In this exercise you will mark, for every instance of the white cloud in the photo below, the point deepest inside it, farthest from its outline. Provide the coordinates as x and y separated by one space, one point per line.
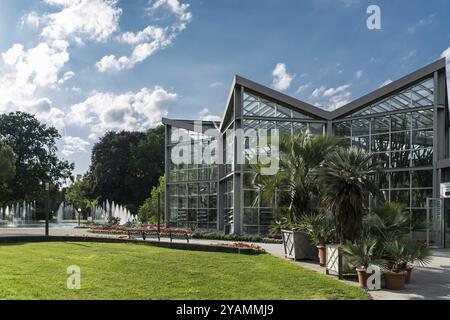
216 84
26 73
66 77
302 88
409 55
150 40
31 19
422 22
359 74
130 111
95 20
318 92
30 71
281 78
339 100
74 145
332 98
205 115
333 91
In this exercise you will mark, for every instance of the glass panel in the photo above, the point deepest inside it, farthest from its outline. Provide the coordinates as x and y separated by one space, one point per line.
266 108
400 122
299 126
383 180
419 197
400 159
283 112
383 159
422 157
251 216
361 142
360 127
250 198
401 196
342 129
380 142
298 115
422 179
400 180
380 125
284 127
400 141
316 129
422 119
422 139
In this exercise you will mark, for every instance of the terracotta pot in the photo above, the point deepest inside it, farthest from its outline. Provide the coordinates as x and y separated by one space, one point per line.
322 256
362 277
408 270
395 281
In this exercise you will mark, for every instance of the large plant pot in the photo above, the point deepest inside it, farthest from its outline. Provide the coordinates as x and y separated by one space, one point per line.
362 277
322 256
297 246
408 271
337 263
395 281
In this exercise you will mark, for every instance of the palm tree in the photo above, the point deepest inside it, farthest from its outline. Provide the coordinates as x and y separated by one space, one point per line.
346 179
389 221
300 157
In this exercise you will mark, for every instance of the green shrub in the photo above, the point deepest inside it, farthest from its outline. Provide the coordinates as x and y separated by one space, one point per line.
232 237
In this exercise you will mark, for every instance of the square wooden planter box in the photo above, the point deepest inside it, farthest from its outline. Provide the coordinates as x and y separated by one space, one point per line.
297 246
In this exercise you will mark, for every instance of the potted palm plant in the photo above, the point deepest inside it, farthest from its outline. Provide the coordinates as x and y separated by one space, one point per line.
396 255
301 155
361 254
346 179
416 253
320 231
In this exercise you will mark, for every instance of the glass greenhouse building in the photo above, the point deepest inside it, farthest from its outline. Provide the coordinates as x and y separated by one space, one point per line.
405 123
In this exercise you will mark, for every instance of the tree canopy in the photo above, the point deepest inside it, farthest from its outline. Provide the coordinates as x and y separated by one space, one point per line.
7 162
34 145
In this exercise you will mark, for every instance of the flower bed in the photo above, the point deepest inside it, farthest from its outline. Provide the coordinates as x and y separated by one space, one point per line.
240 245
148 230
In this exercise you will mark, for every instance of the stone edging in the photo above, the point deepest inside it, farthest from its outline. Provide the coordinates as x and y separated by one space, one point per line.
162 244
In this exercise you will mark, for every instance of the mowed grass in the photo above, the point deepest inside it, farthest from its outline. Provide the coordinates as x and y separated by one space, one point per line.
131 271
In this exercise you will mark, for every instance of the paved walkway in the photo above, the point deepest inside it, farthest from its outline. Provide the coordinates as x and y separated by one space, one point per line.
429 283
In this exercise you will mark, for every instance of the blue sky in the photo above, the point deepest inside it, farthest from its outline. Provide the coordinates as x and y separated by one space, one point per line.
88 66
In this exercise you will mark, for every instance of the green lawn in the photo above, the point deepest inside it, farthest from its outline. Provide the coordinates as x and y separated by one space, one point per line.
130 271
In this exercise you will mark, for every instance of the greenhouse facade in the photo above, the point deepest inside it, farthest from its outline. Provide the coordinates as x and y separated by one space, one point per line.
405 123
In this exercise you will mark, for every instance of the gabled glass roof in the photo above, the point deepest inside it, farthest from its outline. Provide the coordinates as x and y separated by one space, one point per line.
420 95
257 106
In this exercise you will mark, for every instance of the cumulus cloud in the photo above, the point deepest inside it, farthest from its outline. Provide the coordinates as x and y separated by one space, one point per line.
74 145
66 77
281 78
95 20
30 71
302 88
206 115
32 20
26 72
106 111
333 91
150 40
332 98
